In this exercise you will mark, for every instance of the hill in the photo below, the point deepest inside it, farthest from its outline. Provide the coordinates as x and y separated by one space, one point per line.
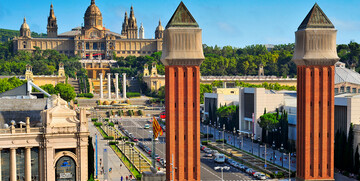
6 34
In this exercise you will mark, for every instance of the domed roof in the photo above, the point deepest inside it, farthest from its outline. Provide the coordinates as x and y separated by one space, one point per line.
92 10
159 27
24 25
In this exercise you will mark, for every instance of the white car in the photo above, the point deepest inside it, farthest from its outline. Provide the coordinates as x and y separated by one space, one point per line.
261 176
219 158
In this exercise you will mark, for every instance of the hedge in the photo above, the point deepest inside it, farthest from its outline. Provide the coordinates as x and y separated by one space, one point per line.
113 142
94 119
111 124
108 137
97 124
205 142
132 94
220 140
88 95
140 113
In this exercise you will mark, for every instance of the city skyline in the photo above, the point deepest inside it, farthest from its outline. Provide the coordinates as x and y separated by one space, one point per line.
226 26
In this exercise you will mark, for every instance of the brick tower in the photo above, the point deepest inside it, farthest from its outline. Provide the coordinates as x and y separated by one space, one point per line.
182 56
315 56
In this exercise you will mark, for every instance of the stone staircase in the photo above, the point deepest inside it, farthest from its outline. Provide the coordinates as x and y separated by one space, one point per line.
96 86
74 83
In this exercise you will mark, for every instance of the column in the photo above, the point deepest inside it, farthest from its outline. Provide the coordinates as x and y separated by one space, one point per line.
101 86
28 164
109 85
117 85
12 164
124 85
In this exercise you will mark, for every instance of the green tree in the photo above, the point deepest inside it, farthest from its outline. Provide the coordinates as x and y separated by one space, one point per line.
90 157
66 91
357 161
49 88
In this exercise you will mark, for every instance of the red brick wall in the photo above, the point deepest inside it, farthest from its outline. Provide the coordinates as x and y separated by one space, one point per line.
315 122
182 99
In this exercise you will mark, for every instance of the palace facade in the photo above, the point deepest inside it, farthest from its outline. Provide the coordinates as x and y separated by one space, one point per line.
93 40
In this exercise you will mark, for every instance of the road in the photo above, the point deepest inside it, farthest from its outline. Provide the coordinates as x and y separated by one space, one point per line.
136 127
251 147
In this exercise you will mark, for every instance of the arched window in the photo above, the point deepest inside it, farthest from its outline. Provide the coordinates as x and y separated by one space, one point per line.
65 169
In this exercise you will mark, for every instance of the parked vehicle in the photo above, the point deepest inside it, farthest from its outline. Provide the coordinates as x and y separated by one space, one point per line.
147 126
256 174
219 158
261 176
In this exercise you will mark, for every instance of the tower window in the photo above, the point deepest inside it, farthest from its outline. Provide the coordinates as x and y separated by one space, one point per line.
193 74
184 74
175 105
175 74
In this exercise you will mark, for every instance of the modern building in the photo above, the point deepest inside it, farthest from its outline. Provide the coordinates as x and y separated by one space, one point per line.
220 97
93 40
346 80
315 56
182 56
45 141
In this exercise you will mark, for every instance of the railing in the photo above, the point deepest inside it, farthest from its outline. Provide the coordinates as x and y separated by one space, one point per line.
21 130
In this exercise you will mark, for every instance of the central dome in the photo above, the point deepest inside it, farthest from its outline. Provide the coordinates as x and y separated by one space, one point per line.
93 17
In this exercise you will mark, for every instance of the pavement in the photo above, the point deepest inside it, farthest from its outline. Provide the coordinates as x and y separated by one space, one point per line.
113 160
208 173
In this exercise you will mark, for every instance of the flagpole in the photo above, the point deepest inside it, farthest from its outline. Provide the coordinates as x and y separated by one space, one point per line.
153 151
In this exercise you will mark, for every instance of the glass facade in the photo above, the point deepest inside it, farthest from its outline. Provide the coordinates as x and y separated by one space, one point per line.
5 164
20 164
34 164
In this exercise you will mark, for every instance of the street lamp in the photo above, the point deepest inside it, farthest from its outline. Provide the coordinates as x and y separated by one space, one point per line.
234 136
223 136
259 146
273 147
252 141
282 157
222 168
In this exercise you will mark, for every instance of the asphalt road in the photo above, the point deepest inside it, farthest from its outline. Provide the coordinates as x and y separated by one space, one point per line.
136 127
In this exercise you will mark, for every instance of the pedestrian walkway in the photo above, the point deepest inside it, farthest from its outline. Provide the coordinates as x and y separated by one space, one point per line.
113 160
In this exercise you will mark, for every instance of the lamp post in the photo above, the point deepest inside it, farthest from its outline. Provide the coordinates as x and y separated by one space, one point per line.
223 136
289 166
252 141
282 157
259 146
273 147
222 168
234 136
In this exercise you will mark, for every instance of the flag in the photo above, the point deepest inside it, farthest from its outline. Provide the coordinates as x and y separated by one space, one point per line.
156 128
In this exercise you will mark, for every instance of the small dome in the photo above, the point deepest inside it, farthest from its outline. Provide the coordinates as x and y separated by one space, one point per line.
159 27
24 25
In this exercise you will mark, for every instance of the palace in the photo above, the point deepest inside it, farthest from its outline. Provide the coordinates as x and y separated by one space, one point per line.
93 40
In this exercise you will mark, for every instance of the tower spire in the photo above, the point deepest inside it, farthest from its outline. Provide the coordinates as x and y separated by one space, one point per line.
92 1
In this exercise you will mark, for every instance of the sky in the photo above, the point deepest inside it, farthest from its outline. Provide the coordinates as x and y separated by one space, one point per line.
237 23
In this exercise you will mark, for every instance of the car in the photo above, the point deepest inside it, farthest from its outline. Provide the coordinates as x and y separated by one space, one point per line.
256 174
207 150
249 170
147 126
208 155
261 176
158 159
219 158
243 168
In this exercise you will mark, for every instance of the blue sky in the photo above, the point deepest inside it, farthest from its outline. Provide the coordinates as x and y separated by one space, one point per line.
224 22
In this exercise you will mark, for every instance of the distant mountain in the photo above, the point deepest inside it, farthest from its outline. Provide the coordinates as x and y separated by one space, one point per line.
6 34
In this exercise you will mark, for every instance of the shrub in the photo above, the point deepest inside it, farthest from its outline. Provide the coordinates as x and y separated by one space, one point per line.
210 135
130 112
220 140
94 119
97 124
140 113
132 94
88 95
106 119
205 142
108 138
113 142
111 124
